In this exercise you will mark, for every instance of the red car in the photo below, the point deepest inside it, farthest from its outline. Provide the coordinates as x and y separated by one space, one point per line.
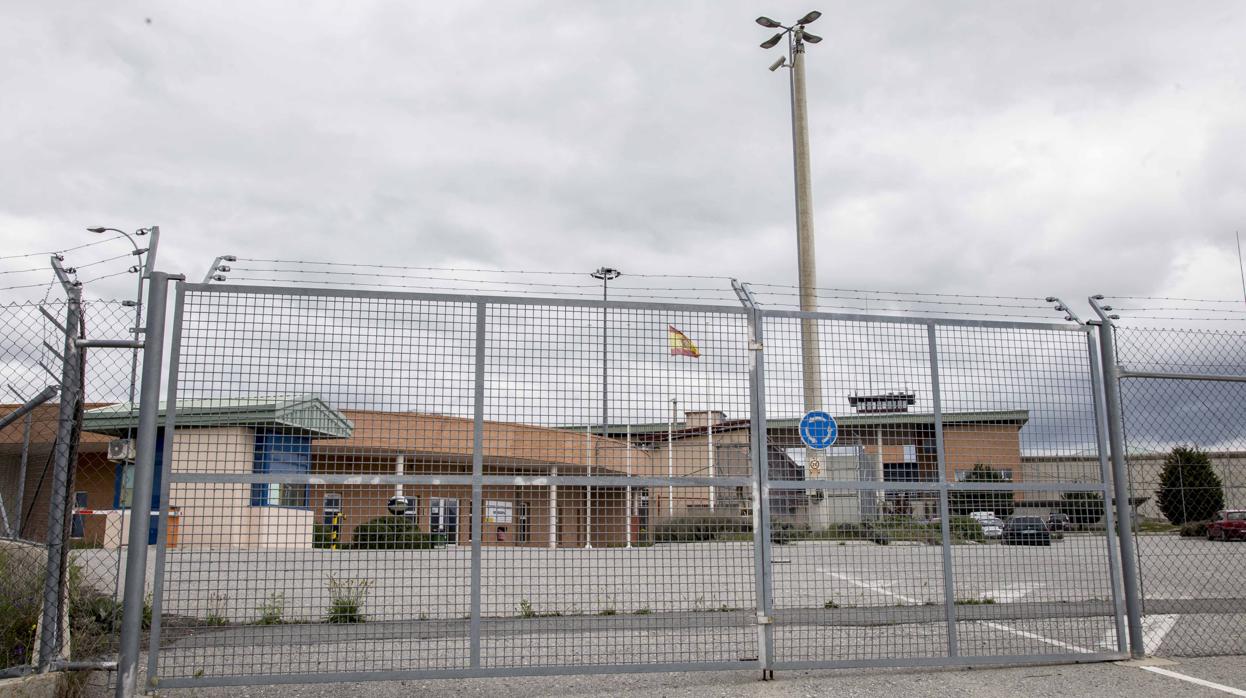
1229 524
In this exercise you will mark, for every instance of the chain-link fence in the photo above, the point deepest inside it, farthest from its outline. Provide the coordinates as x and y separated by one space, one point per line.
374 484
47 465
1183 400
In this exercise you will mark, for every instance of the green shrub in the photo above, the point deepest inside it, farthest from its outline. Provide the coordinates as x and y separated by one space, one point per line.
323 536
1194 529
965 528
965 502
1082 508
701 527
1189 489
21 585
392 533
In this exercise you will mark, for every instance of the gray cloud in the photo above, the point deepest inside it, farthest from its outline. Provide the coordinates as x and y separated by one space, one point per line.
977 147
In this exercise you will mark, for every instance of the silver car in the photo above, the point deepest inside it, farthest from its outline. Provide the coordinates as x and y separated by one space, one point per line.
992 528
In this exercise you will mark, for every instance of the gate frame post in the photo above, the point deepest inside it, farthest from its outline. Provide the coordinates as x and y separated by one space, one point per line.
760 457
170 423
945 507
1124 513
50 637
478 455
140 498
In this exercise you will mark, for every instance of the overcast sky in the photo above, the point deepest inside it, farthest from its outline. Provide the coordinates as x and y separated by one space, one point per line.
1020 148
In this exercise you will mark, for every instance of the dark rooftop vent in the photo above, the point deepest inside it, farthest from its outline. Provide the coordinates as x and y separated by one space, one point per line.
881 404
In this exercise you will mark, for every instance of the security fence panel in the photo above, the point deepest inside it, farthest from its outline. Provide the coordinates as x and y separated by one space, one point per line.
904 538
1035 576
617 492
316 494
1183 399
31 362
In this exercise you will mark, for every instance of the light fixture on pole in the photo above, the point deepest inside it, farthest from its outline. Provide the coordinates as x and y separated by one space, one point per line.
797 37
141 269
606 275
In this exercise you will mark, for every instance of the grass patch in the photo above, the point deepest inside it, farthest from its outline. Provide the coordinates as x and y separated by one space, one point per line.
273 610
346 599
641 612
830 603
977 601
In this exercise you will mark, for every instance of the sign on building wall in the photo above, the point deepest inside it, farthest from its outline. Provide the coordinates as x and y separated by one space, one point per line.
497 512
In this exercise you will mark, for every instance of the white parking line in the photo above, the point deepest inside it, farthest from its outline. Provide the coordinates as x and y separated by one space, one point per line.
1190 679
1154 628
1040 638
877 588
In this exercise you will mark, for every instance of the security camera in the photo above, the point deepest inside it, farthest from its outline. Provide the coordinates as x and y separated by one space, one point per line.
778 64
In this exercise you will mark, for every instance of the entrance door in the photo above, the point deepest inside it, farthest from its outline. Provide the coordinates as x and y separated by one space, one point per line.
523 528
444 518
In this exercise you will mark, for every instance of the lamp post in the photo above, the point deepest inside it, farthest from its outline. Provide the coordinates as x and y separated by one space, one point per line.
797 37
606 275
141 269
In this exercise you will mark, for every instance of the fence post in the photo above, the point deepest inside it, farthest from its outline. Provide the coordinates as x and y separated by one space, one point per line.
140 498
1124 513
760 457
50 639
1109 517
945 507
478 451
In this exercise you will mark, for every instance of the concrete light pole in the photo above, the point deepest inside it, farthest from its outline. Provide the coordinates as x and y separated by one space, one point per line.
606 274
811 358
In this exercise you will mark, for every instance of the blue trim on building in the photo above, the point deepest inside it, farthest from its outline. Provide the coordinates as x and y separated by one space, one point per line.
277 452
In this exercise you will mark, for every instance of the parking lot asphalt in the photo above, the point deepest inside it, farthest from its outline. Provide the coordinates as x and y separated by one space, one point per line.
1138 680
688 603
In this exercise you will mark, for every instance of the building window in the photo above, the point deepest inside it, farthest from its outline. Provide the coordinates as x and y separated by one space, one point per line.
285 454
963 475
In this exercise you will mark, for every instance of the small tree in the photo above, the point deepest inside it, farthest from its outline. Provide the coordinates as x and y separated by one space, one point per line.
1189 489
964 502
1082 508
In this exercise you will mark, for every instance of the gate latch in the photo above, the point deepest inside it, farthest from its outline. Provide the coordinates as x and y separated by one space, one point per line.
754 345
763 619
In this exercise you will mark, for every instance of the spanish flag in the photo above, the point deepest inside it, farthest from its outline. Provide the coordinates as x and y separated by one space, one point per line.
680 344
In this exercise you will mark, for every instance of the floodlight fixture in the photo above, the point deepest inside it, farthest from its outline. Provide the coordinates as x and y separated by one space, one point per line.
811 38
809 18
770 43
768 23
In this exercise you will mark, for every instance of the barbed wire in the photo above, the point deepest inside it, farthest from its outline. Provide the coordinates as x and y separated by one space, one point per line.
462 269
505 282
61 251
796 289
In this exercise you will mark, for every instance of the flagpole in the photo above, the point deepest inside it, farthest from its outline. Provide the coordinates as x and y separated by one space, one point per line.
628 456
670 459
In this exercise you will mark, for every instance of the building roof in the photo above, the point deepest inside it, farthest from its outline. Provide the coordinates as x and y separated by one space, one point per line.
993 417
298 414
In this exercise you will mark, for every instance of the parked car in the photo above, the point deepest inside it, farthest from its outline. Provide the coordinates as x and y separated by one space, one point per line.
992 528
1059 523
1229 524
1026 530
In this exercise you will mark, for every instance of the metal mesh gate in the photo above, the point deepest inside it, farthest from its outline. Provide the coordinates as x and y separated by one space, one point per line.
382 485
1183 393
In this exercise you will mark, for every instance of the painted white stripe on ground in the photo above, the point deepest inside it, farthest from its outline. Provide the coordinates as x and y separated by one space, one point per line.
1010 593
1034 636
876 588
1190 679
1154 628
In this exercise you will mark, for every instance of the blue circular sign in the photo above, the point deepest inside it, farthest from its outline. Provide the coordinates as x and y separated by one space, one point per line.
818 429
